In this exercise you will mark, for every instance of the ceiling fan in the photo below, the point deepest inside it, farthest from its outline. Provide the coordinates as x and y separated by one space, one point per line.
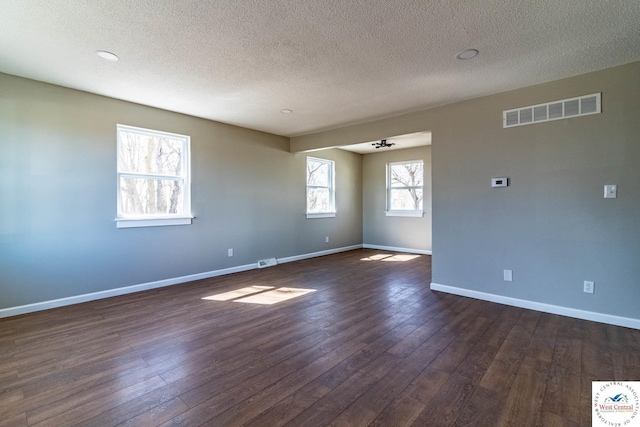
383 144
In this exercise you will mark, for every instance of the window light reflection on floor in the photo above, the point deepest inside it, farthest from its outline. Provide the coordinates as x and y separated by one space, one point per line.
265 295
238 293
275 296
390 257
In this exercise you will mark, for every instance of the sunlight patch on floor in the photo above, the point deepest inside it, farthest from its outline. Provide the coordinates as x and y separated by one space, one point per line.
238 293
275 296
390 257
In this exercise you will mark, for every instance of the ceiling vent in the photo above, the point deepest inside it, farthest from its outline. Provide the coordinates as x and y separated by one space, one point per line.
556 110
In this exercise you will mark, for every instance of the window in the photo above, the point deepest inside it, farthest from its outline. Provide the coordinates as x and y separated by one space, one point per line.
320 188
405 188
153 178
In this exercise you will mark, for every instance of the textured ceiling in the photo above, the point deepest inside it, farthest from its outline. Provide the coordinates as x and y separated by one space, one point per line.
333 62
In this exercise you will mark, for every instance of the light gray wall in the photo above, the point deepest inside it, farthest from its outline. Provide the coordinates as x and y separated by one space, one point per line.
58 197
551 226
340 230
382 230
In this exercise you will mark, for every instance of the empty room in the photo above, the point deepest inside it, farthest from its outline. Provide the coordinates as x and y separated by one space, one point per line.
363 213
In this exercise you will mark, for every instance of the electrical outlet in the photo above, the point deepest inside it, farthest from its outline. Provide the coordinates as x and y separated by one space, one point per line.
589 286
230 252
508 275
326 239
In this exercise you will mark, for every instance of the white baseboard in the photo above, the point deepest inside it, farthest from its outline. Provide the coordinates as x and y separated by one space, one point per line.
45 305
395 249
316 254
539 306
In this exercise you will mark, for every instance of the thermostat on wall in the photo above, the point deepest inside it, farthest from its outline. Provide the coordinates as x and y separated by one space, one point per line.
499 182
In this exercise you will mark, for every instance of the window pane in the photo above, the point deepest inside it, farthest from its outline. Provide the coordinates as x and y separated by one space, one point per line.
151 196
407 175
318 200
148 154
406 199
317 173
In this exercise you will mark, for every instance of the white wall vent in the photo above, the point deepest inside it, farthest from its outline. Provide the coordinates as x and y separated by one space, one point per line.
556 110
267 262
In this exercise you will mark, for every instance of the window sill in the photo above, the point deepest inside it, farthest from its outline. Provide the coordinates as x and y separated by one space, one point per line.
151 222
321 215
415 214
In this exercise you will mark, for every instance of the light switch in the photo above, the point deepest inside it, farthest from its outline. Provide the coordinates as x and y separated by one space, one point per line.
610 191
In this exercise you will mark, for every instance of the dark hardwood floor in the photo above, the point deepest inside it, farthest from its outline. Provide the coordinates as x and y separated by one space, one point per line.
372 346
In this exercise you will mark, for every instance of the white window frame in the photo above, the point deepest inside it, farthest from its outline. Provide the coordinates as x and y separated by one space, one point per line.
155 220
403 212
331 213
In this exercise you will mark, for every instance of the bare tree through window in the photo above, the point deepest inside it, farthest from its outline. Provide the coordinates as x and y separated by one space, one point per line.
405 185
151 173
319 185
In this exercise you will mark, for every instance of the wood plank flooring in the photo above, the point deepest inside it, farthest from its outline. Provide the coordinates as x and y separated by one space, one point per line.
372 346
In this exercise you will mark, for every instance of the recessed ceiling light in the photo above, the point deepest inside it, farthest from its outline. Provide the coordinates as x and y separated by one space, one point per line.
286 111
467 54
107 55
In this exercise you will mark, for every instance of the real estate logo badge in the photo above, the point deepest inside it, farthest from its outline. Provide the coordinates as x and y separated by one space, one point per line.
615 403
